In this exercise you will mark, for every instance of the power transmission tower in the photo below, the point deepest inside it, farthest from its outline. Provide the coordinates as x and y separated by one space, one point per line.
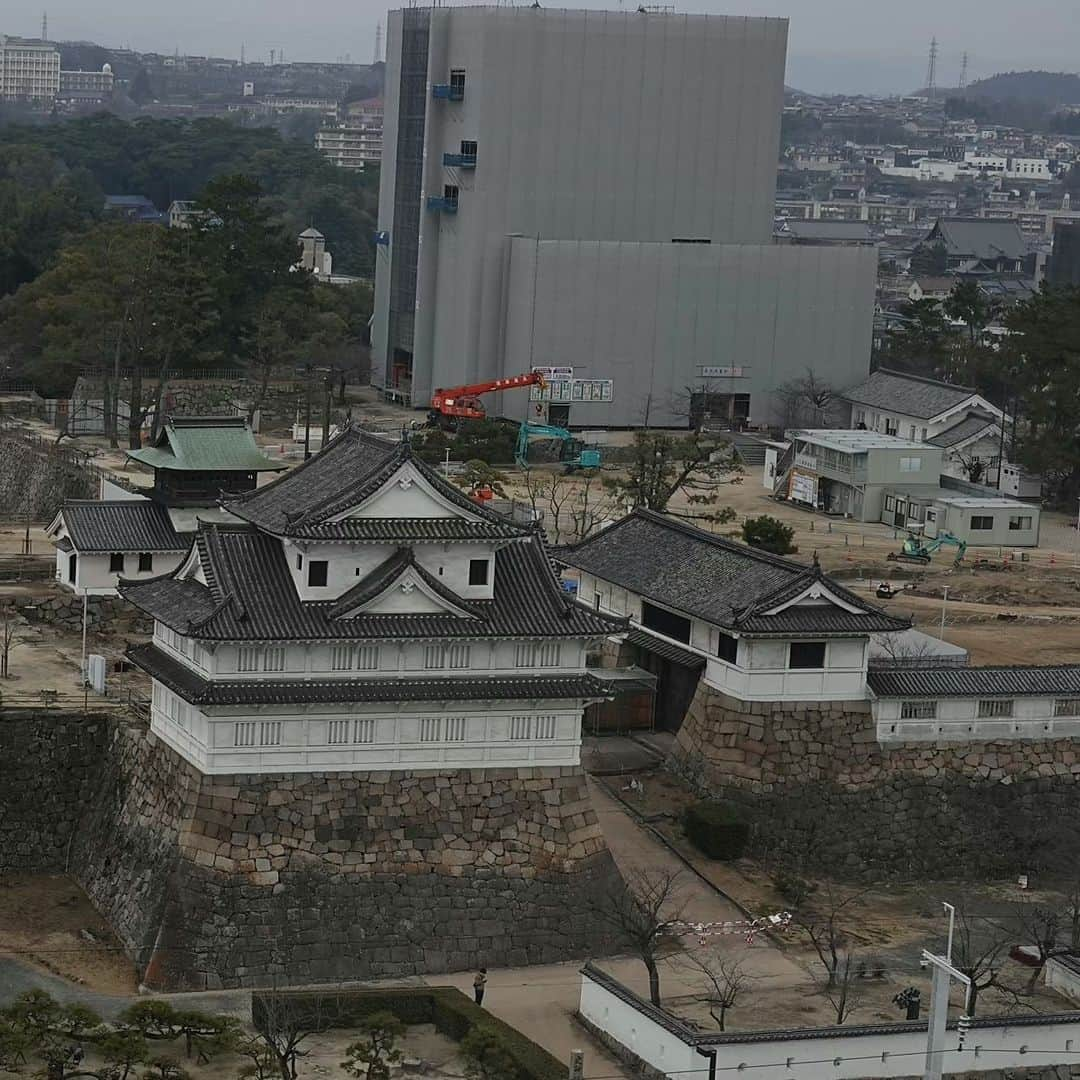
963 71
931 70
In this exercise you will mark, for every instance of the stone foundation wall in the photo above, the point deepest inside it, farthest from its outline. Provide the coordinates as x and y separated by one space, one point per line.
49 766
65 610
241 880
824 794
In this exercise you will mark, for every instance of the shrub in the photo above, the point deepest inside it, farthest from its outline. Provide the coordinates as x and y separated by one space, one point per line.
716 829
769 534
452 1013
792 888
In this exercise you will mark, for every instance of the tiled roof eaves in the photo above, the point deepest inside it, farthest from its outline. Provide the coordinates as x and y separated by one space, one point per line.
998 681
123 525
199 691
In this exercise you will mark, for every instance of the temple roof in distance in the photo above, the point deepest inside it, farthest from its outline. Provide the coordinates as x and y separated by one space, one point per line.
205 444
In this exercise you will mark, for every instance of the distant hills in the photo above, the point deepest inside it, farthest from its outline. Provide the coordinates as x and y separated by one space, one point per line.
1046 88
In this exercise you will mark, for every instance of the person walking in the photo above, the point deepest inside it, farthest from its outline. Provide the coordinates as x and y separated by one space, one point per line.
478 985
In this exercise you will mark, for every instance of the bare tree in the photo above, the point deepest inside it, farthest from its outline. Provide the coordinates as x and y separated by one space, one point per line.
10 625
726 979
640 912
980 948
842 987
809 401
823 921
1041 927
973 465
1072 912
286 1021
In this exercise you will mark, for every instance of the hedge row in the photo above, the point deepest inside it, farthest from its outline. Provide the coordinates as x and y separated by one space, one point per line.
716 829
452 1013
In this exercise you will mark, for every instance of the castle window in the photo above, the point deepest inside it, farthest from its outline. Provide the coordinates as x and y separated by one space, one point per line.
520 728
1067 707
806 654
430 729
274 659
455 728
367 658
434 656
478 571
727 647
665 622
545 727
338 732
269 732
995 708
116 562
244 733
459 656
146 562
918 710
341 657
247 660
317 573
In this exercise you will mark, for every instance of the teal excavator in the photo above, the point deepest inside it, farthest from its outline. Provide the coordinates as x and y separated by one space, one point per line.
572 455
919 550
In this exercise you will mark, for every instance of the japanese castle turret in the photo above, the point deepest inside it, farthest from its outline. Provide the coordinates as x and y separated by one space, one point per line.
368 690
137 533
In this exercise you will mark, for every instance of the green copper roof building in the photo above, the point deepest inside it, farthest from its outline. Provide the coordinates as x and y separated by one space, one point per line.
197 458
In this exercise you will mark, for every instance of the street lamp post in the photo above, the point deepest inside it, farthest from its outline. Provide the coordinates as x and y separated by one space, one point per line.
944 973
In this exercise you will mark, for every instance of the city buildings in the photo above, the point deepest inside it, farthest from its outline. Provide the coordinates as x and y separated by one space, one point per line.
355 139
29 71
530 216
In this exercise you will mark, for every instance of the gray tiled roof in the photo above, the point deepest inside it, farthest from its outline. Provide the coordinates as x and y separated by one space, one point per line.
250 596
963 430
1003 681
199 691
730 584
643 639
351 468
858 231
981 238
406 530
120 525
911 395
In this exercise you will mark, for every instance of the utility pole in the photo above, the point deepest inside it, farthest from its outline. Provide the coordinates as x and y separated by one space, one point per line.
307 414
328 394
944 601
944 972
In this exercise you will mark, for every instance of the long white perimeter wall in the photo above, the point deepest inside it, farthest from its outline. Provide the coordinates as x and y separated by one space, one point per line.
844 1053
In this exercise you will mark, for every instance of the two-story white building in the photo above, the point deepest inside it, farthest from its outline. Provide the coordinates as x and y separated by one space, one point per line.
366 615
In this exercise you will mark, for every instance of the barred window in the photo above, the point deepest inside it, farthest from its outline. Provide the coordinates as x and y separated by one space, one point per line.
244 733
430 728
547 654
455 728
364 729
546 726
367 658
918 710
274 659
1067 707
338 732
434 656
993 708
269 732
520 727
248 660
459 656
341 657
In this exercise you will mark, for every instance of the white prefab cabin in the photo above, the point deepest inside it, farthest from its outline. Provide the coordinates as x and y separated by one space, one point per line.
364 614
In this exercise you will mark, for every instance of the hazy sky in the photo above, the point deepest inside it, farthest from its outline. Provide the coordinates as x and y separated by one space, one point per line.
834 45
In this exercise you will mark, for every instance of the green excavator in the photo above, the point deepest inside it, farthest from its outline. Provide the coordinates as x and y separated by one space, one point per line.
918 549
